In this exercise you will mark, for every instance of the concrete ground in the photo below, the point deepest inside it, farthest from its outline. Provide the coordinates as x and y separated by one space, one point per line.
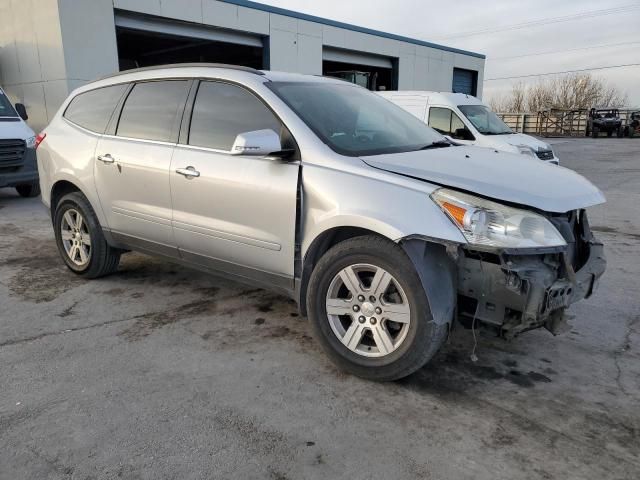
162 372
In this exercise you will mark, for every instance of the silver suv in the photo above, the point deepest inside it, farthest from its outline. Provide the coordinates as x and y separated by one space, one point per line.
381 230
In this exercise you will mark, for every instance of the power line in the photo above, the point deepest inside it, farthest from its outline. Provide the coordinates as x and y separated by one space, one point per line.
564 50
545 21
566 71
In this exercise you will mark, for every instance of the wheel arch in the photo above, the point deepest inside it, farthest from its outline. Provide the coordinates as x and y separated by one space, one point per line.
317 248
58 190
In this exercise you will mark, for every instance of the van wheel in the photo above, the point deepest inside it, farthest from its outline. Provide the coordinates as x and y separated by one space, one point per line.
28 189
80 240
369 310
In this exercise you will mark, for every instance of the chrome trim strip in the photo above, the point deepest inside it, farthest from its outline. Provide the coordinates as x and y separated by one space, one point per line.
141 216
222 235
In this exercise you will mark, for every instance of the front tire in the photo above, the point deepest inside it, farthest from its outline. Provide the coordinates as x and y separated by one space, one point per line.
369 310
80 240
28 190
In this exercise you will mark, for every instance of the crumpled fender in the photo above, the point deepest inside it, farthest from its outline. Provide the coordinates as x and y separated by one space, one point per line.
438 274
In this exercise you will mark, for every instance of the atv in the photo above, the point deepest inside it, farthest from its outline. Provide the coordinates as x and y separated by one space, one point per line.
633 125
604 120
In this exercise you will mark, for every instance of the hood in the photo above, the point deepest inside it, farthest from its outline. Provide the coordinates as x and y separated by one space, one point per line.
11 127
503 176
516 139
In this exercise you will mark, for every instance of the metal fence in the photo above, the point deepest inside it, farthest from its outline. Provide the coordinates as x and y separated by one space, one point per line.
555 122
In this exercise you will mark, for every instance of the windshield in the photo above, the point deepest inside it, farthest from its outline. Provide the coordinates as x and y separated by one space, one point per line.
6 109
485 120
353 121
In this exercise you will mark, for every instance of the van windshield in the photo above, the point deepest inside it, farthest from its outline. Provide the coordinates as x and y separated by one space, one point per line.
6 109
485 120
353 121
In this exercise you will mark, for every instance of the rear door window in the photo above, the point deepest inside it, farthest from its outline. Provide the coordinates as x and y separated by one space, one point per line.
92 110
223 111
152 109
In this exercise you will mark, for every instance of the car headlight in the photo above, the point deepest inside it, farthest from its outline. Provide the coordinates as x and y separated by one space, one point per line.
491 224
524 149
31 142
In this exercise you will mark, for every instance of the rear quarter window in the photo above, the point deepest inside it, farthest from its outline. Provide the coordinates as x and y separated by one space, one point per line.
92 110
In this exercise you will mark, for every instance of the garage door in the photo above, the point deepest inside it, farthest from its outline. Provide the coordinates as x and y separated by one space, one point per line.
464 81
146 41
356 58
375 72
172 27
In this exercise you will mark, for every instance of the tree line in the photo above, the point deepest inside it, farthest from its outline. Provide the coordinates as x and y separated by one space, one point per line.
572 91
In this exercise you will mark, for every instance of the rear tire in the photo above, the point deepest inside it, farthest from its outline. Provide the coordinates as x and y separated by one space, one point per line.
29 190
80 240
620 132
610 133
401 339
594 132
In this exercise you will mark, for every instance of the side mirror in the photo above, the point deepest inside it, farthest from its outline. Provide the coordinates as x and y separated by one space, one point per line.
463 134
22 111
257 143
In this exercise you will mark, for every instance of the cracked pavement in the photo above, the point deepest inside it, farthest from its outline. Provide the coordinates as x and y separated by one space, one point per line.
163 372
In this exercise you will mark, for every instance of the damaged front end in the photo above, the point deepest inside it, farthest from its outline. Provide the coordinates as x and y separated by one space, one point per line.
512 290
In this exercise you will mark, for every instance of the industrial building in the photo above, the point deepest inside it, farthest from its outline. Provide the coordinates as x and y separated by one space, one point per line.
50 47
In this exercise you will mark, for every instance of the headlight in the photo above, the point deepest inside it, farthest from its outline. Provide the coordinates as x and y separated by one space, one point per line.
526 150
31 142
490 224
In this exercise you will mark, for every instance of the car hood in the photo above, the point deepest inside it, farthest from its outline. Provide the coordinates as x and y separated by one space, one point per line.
14 128
504 176
517 139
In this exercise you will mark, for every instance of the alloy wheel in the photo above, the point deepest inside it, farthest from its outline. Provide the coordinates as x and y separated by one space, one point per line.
76 238
368 310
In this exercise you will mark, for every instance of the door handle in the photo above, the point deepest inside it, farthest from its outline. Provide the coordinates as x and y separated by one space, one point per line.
106 158
188 172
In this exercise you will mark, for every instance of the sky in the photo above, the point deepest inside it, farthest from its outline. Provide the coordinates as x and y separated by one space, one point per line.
449 23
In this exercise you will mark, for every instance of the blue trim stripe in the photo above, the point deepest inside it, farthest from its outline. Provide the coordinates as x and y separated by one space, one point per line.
347 26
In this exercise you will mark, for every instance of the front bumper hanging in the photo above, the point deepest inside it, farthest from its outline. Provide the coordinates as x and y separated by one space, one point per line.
518 292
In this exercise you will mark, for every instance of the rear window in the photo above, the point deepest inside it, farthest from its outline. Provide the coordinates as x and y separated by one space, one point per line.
92 110
151 110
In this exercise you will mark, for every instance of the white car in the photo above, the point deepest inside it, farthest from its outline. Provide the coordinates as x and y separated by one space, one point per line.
18 166
466 120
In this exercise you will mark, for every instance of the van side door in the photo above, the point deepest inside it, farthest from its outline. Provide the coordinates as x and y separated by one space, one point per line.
234 213
132 165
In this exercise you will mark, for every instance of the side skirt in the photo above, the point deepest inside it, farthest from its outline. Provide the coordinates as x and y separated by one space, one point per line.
270 281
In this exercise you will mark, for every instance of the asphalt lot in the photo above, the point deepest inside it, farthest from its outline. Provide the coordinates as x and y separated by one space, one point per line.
162 372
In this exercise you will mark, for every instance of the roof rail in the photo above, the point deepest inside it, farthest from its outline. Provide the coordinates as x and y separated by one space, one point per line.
185 65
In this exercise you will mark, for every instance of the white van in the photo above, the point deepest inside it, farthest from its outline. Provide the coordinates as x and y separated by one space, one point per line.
465 119
18 167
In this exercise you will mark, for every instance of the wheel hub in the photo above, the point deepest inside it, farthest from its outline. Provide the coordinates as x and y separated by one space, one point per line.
368 310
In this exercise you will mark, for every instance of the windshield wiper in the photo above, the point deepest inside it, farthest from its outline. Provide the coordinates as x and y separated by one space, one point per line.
437 144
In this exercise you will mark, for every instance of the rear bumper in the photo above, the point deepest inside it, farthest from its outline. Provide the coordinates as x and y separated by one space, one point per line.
516 293
26 173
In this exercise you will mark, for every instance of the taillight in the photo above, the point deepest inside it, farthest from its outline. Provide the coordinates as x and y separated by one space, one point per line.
39 138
